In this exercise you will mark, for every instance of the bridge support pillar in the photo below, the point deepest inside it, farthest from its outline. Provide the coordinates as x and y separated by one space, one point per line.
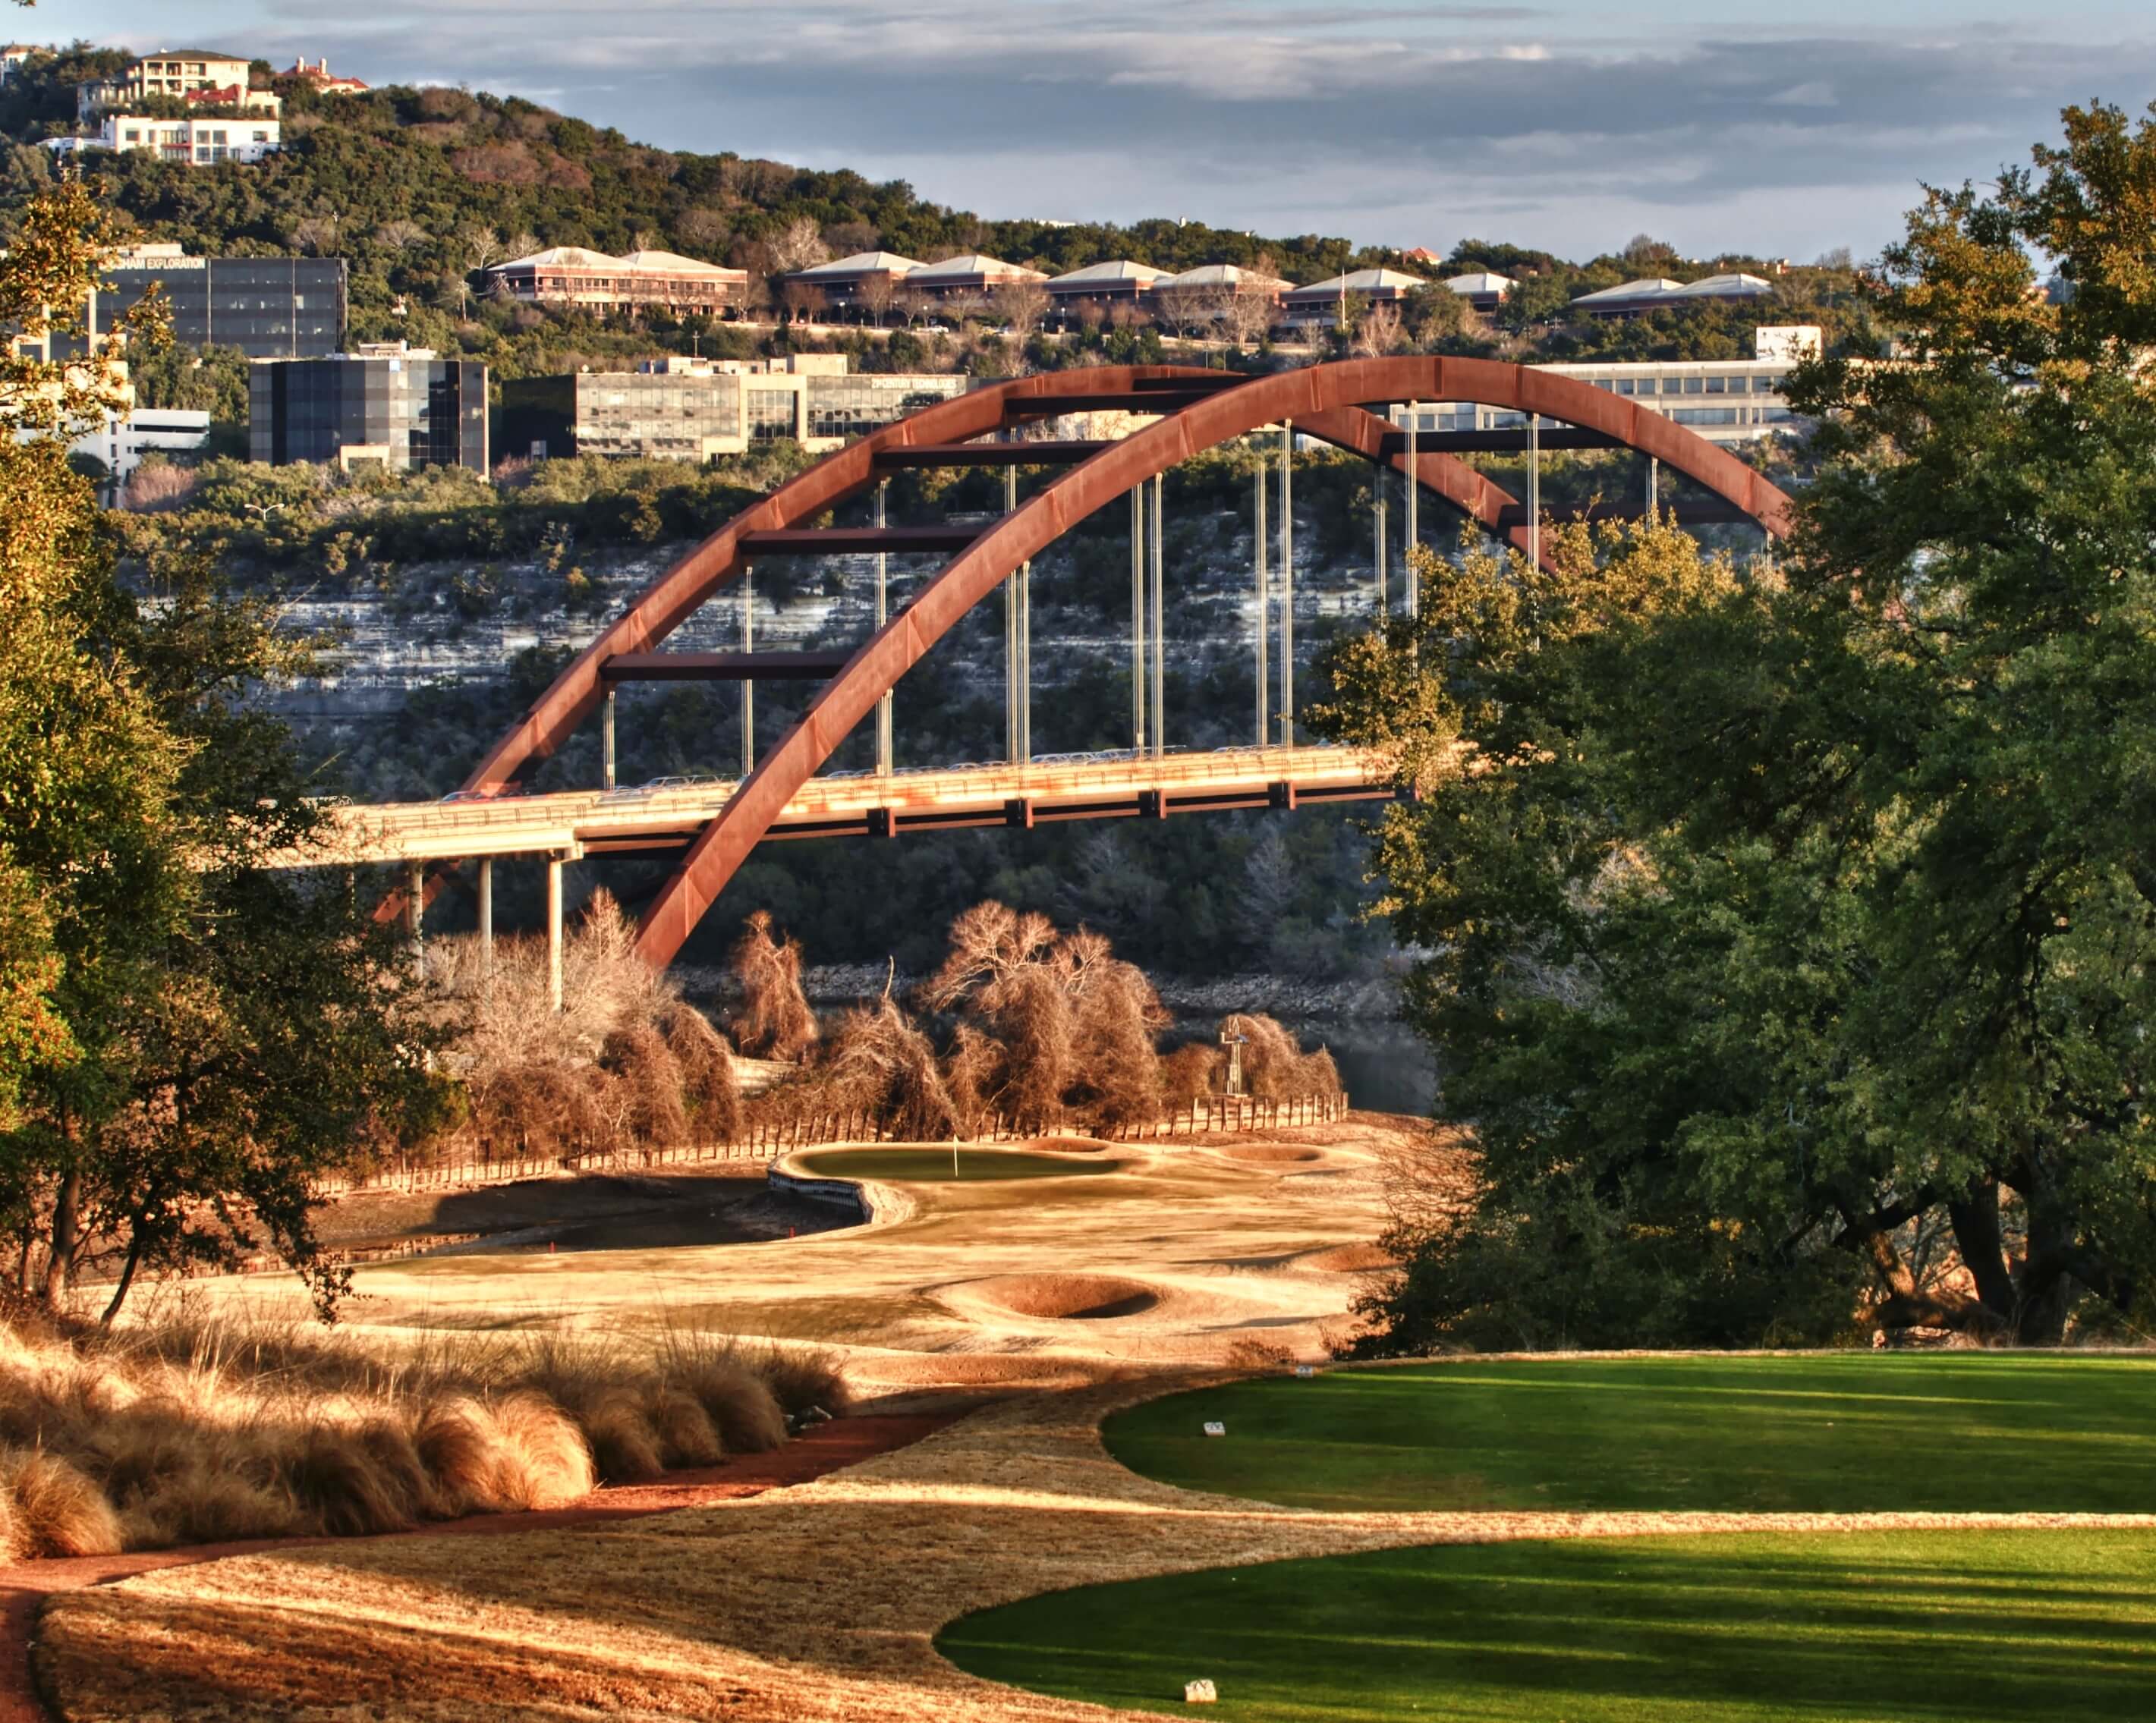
1287 585
748 686
1654 485
486 915
1411 581
606 742
415 902
1259 533
882 614
1158 699
1534 490
1377 524
554 931
1137 619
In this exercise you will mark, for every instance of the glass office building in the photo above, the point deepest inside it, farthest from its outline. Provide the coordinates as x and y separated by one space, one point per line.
268 307
391 407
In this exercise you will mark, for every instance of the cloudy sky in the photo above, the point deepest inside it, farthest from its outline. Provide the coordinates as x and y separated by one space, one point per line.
1573 124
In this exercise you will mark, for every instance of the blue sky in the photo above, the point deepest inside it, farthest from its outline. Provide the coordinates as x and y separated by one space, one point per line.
1565 123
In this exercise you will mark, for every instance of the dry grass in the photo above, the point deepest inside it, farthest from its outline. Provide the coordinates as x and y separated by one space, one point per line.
818 1602
204 1428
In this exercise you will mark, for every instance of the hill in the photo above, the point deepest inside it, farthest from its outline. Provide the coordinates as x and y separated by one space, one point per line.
420 188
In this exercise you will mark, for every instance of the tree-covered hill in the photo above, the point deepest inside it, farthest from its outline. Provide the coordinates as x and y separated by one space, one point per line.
420 188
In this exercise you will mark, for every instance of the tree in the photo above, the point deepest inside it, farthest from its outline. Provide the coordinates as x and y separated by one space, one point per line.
799 245
186 1038
803 301
1022 305
1787 918
876 294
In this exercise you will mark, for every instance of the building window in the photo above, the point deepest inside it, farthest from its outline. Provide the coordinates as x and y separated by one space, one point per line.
770 415
1718 386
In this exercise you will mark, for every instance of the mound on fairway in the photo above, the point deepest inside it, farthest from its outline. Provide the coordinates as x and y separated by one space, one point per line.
2008 1627
1958 1432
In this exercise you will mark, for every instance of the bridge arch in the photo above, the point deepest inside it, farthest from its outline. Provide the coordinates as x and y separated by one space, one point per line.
1327 396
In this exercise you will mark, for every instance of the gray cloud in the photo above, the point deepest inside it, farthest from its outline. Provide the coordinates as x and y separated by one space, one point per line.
1396 124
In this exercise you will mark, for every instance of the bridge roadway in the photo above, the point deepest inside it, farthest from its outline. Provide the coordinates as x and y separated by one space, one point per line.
565 825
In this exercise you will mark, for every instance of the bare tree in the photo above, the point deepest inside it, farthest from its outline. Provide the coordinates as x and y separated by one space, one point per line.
774 1021
401 235
521 243
1250 317
479 245
317 235
912 304
1378 332
876 294
1022 305
800 246
705 228
1179 307
803 301
966 306
1091 314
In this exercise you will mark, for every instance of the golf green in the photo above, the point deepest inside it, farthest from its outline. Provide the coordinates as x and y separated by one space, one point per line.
1975 1627
1966 1432
939 1167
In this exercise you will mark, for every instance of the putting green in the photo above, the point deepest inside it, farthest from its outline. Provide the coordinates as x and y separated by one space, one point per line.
935 1165
1996 1626
1956 1433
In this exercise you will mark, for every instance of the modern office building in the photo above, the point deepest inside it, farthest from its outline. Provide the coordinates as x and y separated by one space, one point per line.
387 406
268 307
1482 289
693 409
1223 279
1105 283
1636 299
973 275
575 275
840 280
119 443
1723 400
1321 302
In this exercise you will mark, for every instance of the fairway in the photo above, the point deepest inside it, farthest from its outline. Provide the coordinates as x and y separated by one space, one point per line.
1960 1432
1977 1627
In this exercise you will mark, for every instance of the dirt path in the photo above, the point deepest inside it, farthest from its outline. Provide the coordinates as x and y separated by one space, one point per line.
811 1605
25 1587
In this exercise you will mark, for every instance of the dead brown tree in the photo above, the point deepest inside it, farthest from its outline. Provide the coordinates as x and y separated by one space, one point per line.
773 1020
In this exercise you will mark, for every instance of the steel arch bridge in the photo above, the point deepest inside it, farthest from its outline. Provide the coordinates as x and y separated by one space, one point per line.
1194 410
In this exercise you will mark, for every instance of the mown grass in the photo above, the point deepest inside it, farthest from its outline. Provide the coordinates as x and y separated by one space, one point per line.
1836 1433
931 1166
1997 1626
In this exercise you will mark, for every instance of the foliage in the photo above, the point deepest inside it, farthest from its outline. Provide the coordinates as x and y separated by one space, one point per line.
189 1036
1784 920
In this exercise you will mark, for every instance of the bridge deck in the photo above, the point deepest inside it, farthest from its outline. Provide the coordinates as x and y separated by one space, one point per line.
1092 786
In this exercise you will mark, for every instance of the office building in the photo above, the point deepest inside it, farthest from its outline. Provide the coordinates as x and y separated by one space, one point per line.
387 407
1321 302
1636 299
972 275
574 275
1723 400
841 280
680 408
1482 289
268 307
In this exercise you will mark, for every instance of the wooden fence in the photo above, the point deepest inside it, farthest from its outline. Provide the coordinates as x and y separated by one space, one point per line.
765 1141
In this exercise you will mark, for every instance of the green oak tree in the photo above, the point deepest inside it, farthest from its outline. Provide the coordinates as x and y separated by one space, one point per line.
1792 926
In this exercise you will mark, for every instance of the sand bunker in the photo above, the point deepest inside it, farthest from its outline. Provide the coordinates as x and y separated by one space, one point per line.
1348 1259
1270 1154
1066 1298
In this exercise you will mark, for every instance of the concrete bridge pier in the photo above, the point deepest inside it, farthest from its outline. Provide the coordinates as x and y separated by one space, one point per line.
486 915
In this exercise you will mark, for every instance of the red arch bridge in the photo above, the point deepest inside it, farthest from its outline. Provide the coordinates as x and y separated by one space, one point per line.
1179 412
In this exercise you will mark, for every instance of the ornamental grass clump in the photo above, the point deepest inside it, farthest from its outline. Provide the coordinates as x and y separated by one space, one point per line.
200 1429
